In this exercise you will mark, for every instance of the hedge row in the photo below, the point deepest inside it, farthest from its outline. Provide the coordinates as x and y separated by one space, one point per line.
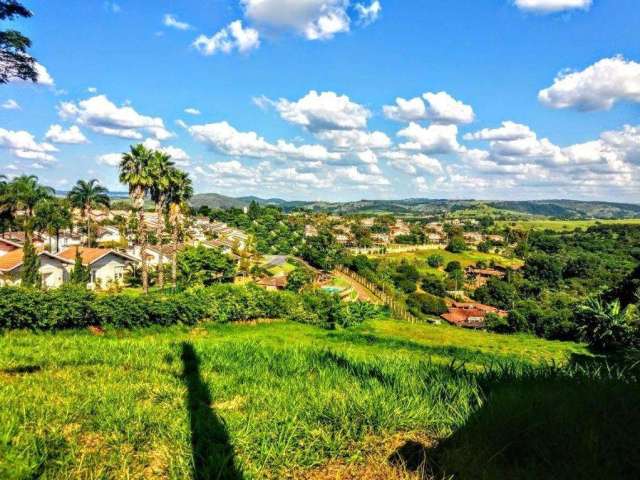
75 307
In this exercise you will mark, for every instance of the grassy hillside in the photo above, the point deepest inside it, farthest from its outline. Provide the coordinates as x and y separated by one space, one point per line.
564 225
287 400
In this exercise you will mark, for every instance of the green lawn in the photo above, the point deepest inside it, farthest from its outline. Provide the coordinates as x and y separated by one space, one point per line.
564 225
469 257
277 400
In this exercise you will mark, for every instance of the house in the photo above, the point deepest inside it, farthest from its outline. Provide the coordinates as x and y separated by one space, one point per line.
106 266
108 234
310 231
7 246
470 315
435 238
380 238
153 253
495 238
273 283
482 275
37 240
368 222
472 237
53 269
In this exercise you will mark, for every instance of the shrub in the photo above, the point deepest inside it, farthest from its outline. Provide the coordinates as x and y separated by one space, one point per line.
435 260
354 313
426 304
456 245
434 285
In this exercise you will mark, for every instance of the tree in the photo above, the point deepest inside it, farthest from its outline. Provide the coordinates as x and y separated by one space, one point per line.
434 285
80 275
322 251
298 279
86 196
52 216
22 195
30 271
178 194
605 326
6 210
15 62
456 245
204 266
135 172
162 169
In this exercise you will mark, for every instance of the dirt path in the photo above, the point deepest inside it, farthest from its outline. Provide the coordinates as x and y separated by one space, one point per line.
364 294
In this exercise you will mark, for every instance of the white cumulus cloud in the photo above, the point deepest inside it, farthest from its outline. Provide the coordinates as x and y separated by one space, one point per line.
598 87
322 111
72 136
432 139
22 144
102 116
438 107
233 37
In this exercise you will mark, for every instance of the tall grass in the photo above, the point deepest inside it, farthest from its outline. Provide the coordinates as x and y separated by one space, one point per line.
276 399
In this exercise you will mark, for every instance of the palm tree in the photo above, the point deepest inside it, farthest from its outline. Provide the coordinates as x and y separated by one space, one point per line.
162 170
179 192
86 196
135 172
23 194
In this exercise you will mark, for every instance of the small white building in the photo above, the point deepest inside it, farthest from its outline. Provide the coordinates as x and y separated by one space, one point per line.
106 266
53 269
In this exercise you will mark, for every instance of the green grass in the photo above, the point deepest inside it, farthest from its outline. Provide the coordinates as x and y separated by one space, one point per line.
564 225
259 401
466 258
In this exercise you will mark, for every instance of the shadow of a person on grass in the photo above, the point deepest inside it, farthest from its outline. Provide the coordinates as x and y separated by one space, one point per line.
213 455
548 425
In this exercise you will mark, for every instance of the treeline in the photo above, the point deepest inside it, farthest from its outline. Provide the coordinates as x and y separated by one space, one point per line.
578 285
76 307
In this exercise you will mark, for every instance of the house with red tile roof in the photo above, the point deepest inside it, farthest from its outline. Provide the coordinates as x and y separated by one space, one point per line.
470 315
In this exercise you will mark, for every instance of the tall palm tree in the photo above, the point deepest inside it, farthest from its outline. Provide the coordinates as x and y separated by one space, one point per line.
162 170
23 194
135 171
179 192
86 196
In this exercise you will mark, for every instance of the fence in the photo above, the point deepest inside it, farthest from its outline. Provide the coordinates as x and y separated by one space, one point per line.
397 307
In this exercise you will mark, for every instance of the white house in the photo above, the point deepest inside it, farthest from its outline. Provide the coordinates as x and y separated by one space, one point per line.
108 234
106 266
53 269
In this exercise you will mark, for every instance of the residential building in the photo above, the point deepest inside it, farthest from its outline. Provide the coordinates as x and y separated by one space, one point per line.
470 315
53 269
106 266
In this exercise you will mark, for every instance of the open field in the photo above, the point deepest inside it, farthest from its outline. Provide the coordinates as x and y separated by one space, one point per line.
564 225
268 400
469 257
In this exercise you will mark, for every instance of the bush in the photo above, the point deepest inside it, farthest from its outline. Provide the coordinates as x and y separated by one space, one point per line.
456 245
426 304
434 285
435 260
75 307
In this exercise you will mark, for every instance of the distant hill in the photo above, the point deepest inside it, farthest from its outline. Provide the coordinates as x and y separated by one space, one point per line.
562 209
571 209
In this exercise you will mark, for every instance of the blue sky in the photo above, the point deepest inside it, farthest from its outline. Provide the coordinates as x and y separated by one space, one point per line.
337 99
